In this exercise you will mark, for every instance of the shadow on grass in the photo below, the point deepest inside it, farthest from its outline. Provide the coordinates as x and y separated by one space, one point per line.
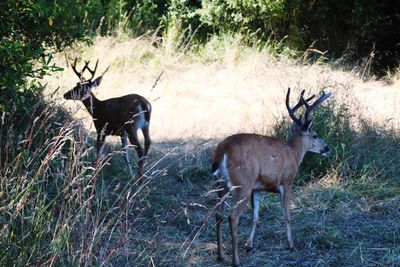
60 206
345 217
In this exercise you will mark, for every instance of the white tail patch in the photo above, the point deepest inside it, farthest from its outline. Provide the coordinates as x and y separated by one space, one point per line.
222 172
140 120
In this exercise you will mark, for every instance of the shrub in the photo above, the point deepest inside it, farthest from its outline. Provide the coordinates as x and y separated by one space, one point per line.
368 152
32 31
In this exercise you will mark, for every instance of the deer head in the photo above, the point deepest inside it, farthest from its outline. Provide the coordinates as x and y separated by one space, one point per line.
83 88
303 129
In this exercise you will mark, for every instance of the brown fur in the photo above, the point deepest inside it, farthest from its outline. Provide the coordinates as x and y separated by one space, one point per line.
249 163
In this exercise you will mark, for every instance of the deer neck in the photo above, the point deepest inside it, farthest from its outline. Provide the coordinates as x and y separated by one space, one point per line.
299 147
91 103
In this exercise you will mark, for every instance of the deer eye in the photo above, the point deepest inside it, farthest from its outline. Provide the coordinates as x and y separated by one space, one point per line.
315 136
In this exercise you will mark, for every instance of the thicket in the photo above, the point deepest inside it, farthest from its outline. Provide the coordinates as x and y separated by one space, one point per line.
353 28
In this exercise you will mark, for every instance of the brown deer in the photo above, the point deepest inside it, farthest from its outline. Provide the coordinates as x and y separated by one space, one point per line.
249 163
122 116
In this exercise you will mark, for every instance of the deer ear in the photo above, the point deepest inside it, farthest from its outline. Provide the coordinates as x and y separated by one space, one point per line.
310 125
97 82
307 126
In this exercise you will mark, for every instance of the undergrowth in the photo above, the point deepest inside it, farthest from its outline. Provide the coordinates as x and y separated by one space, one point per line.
56 204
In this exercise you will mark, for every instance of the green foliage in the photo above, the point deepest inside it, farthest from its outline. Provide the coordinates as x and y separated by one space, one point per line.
335 26
362 156
263 17
132 16
31 32
338 27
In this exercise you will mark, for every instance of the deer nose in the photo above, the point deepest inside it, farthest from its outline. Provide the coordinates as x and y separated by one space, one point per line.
324 152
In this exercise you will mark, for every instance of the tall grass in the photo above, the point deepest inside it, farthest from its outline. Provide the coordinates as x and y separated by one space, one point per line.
56 205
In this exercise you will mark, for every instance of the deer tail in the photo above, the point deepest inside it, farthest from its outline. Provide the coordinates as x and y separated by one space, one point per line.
147 111
219 160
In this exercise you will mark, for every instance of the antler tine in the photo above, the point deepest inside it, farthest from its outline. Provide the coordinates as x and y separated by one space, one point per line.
91 71
300 103
79 74
309 108
293 110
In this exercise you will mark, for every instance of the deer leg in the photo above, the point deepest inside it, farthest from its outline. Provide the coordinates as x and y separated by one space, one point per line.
285 193
219 216
242 196
133 138
147 140
124 141
256 206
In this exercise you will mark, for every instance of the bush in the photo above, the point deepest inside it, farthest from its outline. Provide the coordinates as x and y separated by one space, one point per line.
32 31
339 27
336 27
368 152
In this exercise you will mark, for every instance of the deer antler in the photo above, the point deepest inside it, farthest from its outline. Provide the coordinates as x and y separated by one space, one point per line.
80 74
91 71
309 108
293 110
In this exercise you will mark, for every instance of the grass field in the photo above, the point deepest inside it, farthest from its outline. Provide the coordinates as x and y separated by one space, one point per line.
62 207
198 89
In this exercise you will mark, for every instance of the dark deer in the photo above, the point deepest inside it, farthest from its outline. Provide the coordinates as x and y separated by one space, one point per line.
249 163
122 116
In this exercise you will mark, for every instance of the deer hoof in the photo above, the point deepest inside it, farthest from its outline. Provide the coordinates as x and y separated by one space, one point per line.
249 245
248 248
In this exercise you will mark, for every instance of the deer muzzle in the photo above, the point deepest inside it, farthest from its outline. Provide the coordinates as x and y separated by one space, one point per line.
325 151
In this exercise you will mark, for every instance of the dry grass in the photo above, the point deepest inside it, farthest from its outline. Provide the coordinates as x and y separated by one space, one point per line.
347 217
223 89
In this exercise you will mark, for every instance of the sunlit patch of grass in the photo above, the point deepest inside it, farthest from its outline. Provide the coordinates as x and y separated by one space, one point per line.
201 84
